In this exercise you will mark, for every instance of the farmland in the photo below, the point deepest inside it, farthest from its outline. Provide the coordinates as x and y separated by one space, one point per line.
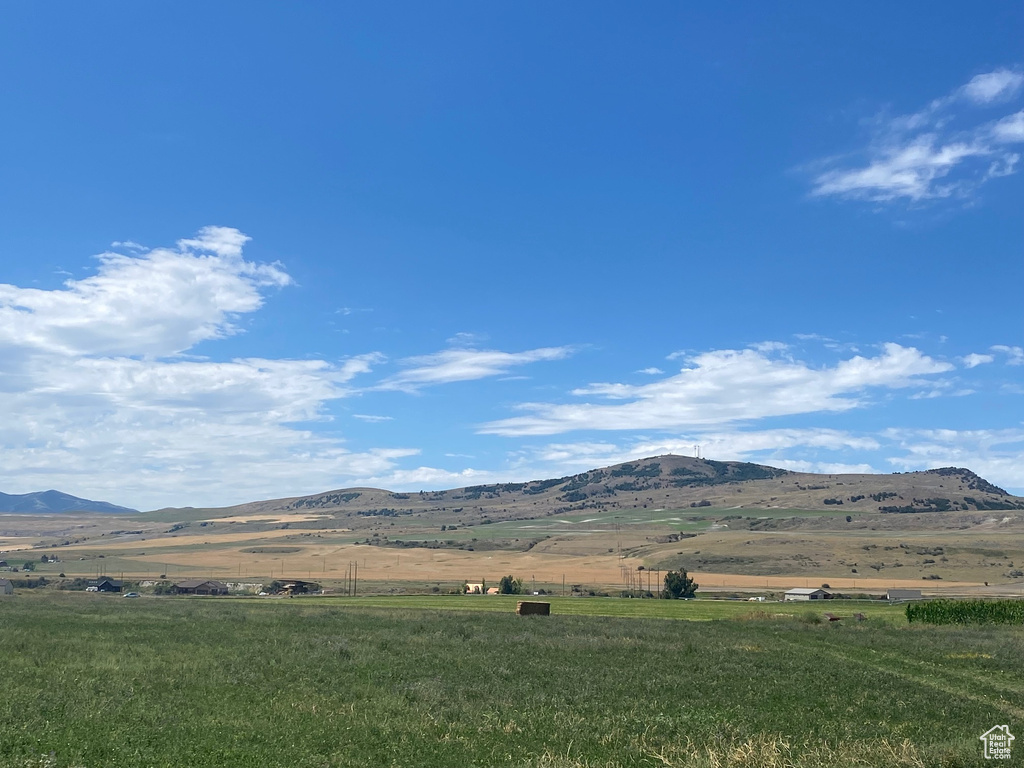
735 526
97 681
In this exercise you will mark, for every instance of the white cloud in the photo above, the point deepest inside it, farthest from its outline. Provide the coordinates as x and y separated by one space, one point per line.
149 434
427 478
98 399
453 365
974 359
931 154
770 346
724 387
775 447
129 244
991 86
371 418
157 304
1010 129
651 371
1014 355
996 455
824 467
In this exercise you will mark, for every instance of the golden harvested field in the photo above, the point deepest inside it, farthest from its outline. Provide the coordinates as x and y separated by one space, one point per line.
724 549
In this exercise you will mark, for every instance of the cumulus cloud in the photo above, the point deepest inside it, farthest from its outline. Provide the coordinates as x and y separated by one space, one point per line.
156 304
947 149
722 387
464 364
99 399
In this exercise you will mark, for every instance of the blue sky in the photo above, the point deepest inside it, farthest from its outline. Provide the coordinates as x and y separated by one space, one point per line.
259 250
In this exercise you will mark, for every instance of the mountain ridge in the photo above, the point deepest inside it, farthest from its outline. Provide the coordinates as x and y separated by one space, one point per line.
678 481
51 501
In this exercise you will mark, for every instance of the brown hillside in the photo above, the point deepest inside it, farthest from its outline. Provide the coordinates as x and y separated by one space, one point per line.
670 482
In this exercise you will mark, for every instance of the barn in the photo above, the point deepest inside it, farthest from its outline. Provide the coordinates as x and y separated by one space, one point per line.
200 587
807 594
6 587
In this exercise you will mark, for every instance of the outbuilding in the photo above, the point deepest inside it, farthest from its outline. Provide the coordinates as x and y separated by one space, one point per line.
6 587
200 587
298 587
807 594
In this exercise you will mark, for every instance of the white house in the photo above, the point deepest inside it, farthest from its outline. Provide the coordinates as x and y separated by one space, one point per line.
806 594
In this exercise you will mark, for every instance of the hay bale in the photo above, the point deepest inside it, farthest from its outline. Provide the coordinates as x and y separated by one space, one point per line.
533 608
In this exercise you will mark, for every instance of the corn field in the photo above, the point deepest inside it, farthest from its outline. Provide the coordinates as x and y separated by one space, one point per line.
967 612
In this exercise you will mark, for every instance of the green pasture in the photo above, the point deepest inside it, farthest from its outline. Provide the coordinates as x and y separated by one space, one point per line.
401 682
688 610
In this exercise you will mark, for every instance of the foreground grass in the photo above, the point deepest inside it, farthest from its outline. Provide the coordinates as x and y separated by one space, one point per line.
187 682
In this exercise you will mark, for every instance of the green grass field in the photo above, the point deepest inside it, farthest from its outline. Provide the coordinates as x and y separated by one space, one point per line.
103 681
689 610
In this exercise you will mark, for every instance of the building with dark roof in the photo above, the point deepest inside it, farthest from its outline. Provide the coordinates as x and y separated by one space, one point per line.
106 584
200 587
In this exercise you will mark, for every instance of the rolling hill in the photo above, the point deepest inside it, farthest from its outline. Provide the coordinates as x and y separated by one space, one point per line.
669 481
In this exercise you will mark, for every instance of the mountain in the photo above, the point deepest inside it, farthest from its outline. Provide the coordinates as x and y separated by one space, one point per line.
42 502
667 482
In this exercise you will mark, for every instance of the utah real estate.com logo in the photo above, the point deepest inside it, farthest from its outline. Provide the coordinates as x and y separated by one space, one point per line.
998 742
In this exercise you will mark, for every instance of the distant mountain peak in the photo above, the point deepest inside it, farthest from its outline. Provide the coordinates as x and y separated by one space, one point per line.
52 501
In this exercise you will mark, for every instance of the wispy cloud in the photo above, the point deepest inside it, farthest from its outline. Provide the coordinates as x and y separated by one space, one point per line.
651 371
948 149
975 359
371 418
453 365
1014 355
723 387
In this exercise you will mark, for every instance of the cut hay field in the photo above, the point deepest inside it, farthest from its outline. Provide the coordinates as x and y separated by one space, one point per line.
95 682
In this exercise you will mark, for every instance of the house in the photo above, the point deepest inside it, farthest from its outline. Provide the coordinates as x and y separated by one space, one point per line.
493 591
806 594
106 584
903 594
474 589
6 588
200 587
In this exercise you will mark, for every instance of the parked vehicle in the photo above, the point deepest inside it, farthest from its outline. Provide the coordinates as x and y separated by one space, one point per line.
131 594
